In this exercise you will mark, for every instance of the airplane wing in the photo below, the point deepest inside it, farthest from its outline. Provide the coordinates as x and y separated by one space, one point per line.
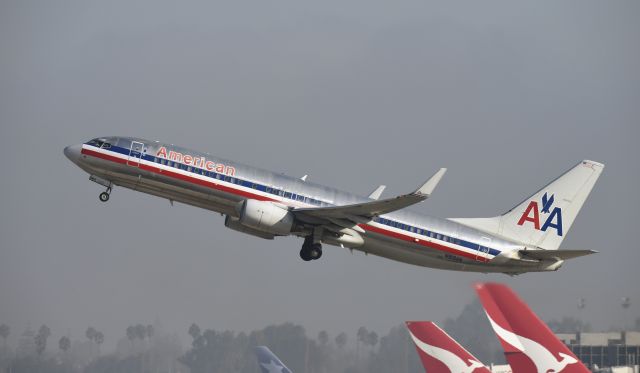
364 212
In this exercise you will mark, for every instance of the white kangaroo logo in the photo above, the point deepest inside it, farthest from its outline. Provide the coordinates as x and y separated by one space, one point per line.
544 360
448 358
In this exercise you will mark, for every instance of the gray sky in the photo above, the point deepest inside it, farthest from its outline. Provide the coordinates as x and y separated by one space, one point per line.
505 94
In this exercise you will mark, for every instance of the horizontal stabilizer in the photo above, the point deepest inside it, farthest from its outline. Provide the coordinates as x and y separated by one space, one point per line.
555 254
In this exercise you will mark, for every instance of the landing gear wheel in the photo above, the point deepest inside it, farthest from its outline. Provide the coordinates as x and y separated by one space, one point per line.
104 196
315 252
305 255
310 251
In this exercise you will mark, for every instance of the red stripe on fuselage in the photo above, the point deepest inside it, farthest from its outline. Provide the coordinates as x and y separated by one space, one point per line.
179 176
422 242
245 194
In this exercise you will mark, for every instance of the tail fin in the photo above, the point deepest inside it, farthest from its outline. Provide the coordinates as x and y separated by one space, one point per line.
544 219
439 352
529 345
269 362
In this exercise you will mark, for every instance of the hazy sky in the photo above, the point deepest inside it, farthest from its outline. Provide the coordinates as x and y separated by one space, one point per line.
506 94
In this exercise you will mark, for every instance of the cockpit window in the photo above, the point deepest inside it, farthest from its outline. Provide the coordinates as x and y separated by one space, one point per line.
100 143
96 142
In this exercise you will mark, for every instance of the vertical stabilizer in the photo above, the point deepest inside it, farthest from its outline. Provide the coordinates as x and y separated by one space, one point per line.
269 362
544 219
439 352
529 345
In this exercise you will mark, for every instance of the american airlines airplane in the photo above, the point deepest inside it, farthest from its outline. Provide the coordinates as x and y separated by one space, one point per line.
529 345
439 352
267 205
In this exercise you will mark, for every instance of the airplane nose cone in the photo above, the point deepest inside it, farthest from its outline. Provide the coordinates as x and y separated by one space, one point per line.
73 152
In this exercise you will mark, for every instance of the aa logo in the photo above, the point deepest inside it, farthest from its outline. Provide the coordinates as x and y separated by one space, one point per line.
532 215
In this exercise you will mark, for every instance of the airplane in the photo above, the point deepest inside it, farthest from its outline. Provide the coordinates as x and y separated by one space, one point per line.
529 345
269 362
267 205
439 352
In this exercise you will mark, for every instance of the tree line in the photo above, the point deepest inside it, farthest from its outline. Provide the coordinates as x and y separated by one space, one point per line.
144 349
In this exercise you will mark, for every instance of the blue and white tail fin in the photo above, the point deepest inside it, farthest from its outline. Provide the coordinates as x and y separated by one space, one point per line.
544 219
269 362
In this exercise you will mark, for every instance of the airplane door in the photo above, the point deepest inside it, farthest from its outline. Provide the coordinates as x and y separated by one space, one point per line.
483 253
135 153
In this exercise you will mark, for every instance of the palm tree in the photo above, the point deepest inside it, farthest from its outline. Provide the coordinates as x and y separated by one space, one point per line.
91 335
131 334
64 344
372 339
4 333
98 338
141 332
323 338
41 339
341 340
361 337
150 331
194 331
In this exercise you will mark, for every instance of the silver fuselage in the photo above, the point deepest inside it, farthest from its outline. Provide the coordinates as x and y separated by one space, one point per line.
218 184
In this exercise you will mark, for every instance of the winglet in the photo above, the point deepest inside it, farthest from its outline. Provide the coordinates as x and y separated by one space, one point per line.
427 188
376 193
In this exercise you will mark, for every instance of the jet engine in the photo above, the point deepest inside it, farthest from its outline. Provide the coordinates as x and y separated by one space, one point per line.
234 223
265 217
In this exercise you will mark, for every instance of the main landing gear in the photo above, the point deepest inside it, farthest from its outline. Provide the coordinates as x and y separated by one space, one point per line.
310 250
104 196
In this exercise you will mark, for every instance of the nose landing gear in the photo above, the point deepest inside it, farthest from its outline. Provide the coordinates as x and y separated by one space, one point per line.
104 196
310 250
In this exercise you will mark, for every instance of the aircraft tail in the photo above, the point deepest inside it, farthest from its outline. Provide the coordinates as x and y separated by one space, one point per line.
439 352
529 345
269 362
544 219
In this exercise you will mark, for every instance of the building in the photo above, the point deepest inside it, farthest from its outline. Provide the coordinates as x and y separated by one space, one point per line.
604 350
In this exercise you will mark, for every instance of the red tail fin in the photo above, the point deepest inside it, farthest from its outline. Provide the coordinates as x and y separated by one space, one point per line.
439 352
529 344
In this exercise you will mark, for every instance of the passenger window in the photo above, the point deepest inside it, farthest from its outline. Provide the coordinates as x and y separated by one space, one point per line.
106 145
